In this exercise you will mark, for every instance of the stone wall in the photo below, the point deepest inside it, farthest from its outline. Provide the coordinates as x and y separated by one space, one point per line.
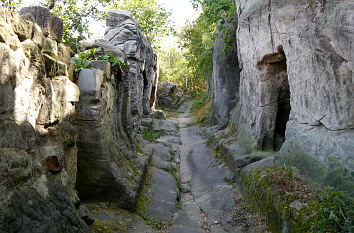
124 33
38 151
296 83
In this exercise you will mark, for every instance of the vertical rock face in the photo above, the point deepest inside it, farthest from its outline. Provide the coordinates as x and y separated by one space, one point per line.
108 167
226 77
297 81
123 32
38 150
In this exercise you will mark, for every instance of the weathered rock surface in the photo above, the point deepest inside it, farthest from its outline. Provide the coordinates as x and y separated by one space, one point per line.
108 166
169 96
38 151
124 33
297 62
226 75
51 26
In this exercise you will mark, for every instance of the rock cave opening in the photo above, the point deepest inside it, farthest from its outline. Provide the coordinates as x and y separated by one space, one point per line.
277 85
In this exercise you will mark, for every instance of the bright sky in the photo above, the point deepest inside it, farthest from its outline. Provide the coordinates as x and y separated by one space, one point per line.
182 10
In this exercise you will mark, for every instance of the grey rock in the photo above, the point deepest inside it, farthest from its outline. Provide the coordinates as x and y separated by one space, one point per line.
162 196
159 114
190 215
297 205
168 96
90 81
147 122
164 165
123 32
105 66
106 48
315 43
226 76
106 142
85 215
51 26
177 228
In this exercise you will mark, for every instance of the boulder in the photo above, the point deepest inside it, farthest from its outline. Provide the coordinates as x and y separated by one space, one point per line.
168 96
123 32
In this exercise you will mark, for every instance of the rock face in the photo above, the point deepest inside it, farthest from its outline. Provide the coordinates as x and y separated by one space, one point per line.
226 76
124 33
297 81
109 112
108 167
168 96
38 152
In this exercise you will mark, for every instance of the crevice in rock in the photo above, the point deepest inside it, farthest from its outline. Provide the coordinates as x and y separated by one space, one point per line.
276 84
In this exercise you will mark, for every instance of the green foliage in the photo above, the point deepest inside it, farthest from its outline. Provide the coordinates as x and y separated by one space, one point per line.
12 5
336 211
153 18
151 135
113 60
80 64
82 59
101 227
199 101
76 15
198 38
177 59
156 223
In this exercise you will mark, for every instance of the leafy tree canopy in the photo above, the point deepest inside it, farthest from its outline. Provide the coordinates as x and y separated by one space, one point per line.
153 18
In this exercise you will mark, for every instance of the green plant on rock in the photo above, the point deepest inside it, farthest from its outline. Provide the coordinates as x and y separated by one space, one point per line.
156 223
80 64
82 60
113 60
151 135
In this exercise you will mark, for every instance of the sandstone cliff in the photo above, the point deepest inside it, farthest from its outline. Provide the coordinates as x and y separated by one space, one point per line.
38 151
296 82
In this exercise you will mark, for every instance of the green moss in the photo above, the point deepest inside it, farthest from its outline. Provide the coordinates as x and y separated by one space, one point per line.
102 227
270 191
151 135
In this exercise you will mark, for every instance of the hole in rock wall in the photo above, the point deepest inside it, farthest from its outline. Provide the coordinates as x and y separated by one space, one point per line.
275 80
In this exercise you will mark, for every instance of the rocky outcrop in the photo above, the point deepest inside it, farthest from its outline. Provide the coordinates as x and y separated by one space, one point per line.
108 166
297 81
226 74
124 33
109 112
169 97
38 151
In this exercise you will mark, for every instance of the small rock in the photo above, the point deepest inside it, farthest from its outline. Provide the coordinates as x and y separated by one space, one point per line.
85 215
228 179
158 114
297 205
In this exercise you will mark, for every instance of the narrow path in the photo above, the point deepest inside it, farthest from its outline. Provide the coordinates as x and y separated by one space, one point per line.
207 203
185 189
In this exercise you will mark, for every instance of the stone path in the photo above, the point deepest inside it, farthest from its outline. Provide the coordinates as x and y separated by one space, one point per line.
186 189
